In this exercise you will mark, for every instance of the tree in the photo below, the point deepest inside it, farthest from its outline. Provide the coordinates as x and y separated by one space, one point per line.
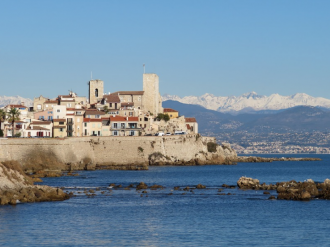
13 116
106 109
164 117
2 118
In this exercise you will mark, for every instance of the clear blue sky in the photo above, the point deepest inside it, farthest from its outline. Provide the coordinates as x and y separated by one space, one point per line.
196 47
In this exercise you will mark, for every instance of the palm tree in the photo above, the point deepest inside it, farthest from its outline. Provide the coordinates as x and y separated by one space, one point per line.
13 116
2 117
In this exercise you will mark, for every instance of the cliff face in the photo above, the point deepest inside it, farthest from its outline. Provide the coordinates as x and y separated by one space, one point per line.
16 187
113 152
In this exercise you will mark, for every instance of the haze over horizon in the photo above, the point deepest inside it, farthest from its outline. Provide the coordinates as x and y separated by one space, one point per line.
219 47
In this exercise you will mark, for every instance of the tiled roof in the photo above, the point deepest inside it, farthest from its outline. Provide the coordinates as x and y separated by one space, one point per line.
129 92
50 101
112 98
59 127
190 120
125 119
41 122
87 120
36 128
94 112
16 106
127 104
59 120
169 110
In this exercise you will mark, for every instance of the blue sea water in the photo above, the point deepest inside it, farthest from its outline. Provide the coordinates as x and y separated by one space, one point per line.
122 217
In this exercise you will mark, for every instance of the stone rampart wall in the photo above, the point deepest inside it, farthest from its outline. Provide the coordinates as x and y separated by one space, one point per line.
104 150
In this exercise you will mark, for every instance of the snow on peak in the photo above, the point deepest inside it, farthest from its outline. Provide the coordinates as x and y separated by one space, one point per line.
251 101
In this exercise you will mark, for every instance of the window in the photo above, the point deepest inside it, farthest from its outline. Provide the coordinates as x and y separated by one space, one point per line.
58 110
88 116
93 125
139 99
99 125
69 104
96 92
39 107
61 123
85 124
99 133
61 129
131 113
85 132
57 116
46 106
122 125
97 116
110 104
115 133
131 133
115 125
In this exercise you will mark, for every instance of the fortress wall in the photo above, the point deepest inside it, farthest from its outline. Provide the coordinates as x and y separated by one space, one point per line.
103 150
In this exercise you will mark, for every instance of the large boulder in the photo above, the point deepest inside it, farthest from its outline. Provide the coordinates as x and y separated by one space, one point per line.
248 183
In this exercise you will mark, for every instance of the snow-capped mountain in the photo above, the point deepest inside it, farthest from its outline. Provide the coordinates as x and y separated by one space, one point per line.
14 100
250 101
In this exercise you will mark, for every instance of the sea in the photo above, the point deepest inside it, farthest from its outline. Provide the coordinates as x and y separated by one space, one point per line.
168 217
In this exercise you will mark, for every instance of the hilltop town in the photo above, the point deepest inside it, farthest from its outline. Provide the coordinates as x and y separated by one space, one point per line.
122 113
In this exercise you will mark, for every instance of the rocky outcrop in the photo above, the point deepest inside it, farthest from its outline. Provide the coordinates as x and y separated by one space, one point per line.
291 190
16 187
210 153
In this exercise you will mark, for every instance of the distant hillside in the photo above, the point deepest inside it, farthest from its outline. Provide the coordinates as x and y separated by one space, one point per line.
14 100
250 102
296 119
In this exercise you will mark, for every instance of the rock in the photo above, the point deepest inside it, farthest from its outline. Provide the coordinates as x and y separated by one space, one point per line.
248 183
156 186
271 198
266 193
305 195
37 180
200 186
141 186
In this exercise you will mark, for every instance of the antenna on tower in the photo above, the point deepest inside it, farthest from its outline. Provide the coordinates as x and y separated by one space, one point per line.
91 75
144 68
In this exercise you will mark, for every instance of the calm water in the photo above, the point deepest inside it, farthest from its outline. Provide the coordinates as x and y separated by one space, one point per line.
124 218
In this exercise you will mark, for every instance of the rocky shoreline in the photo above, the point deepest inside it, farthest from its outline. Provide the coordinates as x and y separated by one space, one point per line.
255 159
17 187
291 190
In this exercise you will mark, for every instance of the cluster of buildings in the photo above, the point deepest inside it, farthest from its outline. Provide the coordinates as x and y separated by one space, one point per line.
122 113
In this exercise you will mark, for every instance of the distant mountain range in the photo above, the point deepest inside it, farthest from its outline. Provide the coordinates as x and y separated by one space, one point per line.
14 100
295 119
250 102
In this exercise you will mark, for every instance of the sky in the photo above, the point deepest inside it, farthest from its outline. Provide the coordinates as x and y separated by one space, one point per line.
220 47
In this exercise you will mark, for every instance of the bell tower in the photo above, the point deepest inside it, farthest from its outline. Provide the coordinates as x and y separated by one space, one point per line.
95 91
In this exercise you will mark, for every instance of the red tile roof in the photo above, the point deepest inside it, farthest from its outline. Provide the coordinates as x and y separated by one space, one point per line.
59 120
87 120
16 106
190 120
125 119
169 110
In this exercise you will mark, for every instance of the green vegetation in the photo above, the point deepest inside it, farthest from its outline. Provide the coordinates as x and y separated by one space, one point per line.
13 116
140 149
164 117
2 118
197 137
106 109
212 147
156 155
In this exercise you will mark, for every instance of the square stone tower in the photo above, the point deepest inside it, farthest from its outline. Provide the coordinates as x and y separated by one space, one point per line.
95 91
152 101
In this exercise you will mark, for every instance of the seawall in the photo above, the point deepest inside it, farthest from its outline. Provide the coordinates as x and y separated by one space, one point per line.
112 152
